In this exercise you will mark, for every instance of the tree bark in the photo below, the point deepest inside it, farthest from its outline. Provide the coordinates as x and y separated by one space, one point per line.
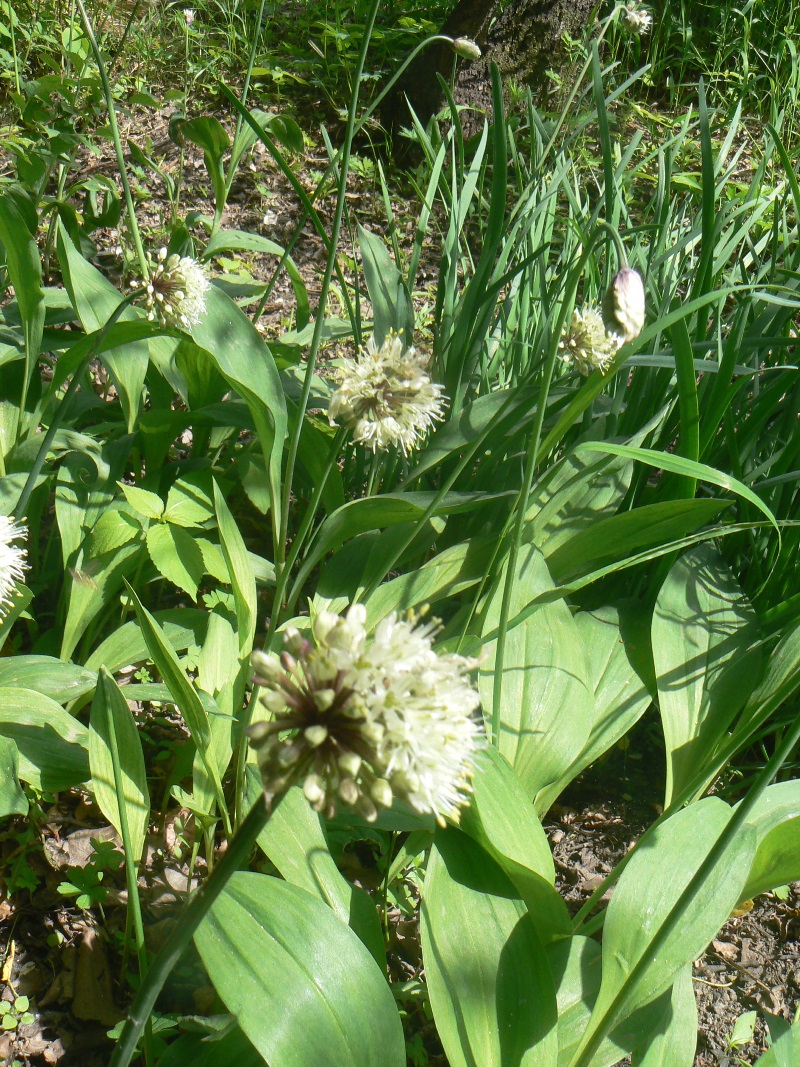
524 40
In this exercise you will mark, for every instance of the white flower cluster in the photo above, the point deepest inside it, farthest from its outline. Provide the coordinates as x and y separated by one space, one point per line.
12 561
363 719
636 19
386 398
586 343
591 340
176 291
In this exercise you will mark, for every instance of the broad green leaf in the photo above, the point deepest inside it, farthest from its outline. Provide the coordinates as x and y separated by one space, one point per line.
176 555
51 677
620 697
12 798
185 506
208 133
24 267
675 1046
635 971
52 745
547 699
112 726
294 840
776 821
241 573
240 354
94 299
501 819
704 637
450 572
391 303
575 964
93 588
487 974
277 954
181 627
620 536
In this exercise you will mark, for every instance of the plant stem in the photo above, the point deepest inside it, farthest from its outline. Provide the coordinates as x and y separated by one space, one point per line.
133 225
326 281
176 944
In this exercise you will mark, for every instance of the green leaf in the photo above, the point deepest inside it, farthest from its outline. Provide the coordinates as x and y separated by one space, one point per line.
488 979
546 699
239 353
776 821
275 953
50 677
209 134
704 636
575 964
186 506
647 891
230 1050
180 627
294 840
674 1046
391 303
743 1029
622 535
176 555
94 299
143 501
52 745
110 712
785 1049
12 798
183 692
685 467
620 697
112 530
24 271
241 573
501 819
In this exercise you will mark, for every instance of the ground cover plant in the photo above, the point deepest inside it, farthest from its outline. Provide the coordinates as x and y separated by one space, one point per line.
514 476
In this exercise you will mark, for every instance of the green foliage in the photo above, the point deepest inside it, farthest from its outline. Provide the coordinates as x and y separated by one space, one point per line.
601 544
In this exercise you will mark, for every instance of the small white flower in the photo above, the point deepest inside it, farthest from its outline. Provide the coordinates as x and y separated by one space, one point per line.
12 561
363 719
176 291
637 19
624 305
188 15
386 398
586 343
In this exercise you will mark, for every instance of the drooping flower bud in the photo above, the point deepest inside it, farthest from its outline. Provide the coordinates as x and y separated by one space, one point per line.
466 48
624 305
636 19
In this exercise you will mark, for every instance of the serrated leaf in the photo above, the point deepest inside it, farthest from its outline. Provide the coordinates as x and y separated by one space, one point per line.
113 529
146 503
176 555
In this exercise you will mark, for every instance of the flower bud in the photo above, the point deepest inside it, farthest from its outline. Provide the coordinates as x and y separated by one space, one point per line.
314 790
466 48
624 306
381 793
348 791
266 667
316 735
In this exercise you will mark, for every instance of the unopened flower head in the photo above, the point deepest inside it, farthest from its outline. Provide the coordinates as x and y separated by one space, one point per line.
637 19
361 719
466 48
12 561
188 15
586 342
176 291
624 305
386 398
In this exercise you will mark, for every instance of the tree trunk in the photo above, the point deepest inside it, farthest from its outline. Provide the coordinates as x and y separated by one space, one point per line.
524 41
